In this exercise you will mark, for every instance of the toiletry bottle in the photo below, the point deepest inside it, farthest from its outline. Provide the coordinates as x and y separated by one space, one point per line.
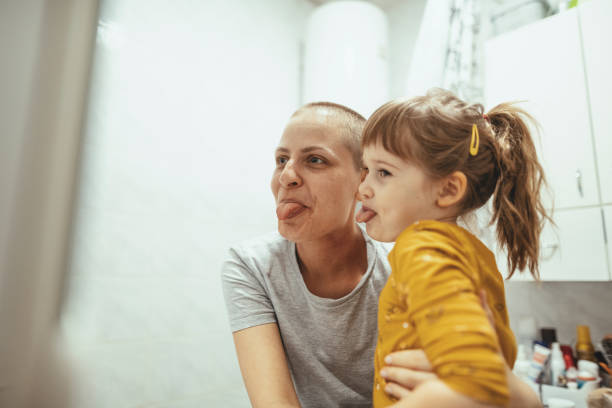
521 365
538 366
606 343
557 365
584 347
568 356
549 335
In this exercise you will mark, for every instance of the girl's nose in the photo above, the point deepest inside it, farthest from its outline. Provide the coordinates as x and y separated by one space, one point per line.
365 191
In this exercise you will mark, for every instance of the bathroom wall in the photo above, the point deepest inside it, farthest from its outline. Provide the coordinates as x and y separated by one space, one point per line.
562 305
186 105
187 101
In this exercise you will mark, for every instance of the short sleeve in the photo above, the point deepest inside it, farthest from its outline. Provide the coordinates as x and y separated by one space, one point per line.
246 299
451 325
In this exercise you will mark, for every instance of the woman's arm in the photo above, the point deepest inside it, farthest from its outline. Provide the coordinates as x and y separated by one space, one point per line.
409 369
264 367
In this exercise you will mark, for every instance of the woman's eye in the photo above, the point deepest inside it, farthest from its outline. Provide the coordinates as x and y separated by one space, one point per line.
315 160
383 173
281 160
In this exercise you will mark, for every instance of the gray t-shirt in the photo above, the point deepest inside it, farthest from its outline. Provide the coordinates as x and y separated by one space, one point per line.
329 343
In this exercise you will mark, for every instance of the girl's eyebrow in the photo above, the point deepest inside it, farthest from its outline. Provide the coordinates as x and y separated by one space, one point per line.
384 163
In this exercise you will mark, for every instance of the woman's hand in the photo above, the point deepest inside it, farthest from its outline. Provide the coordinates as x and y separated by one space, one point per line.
407 369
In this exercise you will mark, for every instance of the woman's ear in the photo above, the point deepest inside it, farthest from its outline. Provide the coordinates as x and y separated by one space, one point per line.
451 189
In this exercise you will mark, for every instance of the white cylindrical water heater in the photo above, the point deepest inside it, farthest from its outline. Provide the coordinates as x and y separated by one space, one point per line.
345 56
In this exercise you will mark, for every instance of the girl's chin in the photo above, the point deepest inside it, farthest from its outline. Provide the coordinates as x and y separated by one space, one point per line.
374 233
378 235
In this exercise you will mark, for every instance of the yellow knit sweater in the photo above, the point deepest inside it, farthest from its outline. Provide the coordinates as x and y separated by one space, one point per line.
431 302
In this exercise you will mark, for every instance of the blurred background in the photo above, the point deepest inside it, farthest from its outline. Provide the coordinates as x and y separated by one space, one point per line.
136 145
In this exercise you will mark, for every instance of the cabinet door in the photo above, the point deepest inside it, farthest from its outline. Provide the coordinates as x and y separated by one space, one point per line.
573 251
595 22
607 214
542 65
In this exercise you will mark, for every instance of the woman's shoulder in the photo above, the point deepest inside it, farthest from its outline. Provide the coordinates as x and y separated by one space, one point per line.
270 245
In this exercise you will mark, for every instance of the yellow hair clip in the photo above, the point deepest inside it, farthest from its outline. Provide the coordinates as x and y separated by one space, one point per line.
475 141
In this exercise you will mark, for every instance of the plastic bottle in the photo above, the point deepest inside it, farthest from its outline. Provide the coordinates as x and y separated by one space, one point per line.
584 347
557 365
521 365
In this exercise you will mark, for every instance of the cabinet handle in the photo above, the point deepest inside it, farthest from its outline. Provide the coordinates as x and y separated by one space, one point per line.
579 182
551 249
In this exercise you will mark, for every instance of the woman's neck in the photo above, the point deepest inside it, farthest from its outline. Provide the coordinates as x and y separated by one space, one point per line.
332 266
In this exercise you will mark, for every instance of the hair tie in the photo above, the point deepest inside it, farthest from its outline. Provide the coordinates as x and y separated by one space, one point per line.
475 142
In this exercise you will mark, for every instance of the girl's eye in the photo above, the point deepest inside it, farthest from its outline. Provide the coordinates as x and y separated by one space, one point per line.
280 160
383 173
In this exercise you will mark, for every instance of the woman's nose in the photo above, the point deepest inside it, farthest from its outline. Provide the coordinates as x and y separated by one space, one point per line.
289 177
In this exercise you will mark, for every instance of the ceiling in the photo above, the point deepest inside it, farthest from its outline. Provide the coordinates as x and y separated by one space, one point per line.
383 4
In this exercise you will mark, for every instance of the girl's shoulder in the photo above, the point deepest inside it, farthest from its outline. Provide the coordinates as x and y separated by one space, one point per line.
433 230
441 236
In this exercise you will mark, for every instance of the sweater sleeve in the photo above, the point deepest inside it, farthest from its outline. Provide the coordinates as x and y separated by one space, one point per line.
444 307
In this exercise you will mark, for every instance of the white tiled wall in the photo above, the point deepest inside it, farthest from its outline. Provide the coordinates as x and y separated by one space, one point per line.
188 100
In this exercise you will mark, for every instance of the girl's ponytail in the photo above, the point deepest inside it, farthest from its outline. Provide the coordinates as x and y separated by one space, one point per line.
517 204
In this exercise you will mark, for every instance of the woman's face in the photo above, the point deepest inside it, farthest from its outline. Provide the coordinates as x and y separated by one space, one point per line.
315 181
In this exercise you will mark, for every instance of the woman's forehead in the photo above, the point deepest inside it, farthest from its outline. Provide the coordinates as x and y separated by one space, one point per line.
301 132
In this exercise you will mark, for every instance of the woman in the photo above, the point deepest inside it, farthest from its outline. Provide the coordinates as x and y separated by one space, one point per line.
303 303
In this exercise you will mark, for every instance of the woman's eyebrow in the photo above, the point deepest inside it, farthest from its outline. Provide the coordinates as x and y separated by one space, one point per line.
313 148
307 149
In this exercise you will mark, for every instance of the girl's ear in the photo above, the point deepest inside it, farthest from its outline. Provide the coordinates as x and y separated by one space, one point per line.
452 190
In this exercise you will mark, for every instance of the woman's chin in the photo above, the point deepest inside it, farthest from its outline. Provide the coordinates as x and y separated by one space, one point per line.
293 232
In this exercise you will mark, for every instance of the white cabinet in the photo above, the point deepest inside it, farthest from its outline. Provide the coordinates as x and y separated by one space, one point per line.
542 65
562 67
573 251
596 25
607 213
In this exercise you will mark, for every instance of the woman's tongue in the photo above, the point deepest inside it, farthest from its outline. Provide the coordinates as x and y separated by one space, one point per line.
285 211
364 215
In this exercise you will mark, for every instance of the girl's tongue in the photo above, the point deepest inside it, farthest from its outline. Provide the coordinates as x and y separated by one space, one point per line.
285 211
364 215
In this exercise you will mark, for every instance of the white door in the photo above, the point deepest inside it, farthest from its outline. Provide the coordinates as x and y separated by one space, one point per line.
596 25
542 64
574 250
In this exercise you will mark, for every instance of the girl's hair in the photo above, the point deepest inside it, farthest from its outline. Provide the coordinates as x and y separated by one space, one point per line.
435 132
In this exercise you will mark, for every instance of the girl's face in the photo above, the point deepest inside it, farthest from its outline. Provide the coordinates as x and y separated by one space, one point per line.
395 193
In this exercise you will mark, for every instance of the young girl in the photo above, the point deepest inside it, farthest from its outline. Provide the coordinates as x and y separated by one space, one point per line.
428 161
